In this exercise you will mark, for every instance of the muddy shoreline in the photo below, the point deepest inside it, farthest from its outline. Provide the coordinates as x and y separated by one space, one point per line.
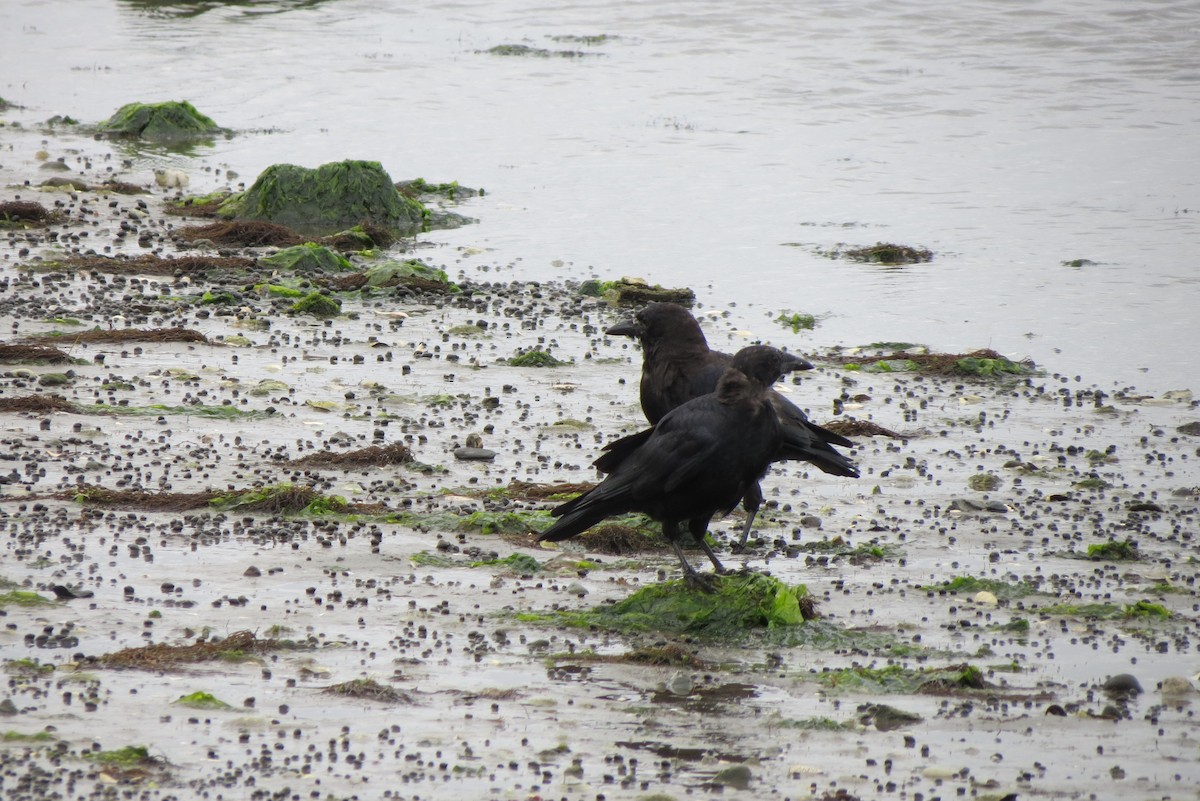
489 697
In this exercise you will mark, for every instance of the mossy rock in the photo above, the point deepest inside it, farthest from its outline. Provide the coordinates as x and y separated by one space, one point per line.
169 121
307 258
327 199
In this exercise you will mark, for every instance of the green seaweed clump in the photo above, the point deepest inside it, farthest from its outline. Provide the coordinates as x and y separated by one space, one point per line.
970 584
520 563
317 305
983 367
507 522
984 482
129 756
739 604
202 700
22 598
419 187
169 121
393 273
1147 609
535 358
1123 551
889 253
307 258
327 199
21 737
797 322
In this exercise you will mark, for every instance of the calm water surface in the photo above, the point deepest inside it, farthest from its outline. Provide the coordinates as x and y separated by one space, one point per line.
724 146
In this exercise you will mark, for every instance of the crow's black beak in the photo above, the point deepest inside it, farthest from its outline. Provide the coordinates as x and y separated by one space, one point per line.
794 364
627 328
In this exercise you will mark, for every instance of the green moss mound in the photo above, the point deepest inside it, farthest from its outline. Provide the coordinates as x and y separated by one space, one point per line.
202 700
739 604
327 199
535 358
307 258
169 121
393 273
317 305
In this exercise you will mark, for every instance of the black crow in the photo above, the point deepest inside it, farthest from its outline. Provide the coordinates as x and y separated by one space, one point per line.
697 461
678 365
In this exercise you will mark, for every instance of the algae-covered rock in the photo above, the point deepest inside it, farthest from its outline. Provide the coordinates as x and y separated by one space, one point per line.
169 121
307 258
317 305
739 604
392 273
327 199
635 291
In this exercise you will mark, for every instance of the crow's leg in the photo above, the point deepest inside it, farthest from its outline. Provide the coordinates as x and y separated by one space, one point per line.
699 527
751 501
700 581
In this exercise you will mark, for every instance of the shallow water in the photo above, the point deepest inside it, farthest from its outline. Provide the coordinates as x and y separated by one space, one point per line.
723 147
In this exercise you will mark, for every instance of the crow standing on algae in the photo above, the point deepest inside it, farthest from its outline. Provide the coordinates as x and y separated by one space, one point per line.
699 459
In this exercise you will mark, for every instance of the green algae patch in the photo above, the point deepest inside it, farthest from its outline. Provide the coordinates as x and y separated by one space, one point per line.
517 563
21 737
983 363
739 604
327 199
814 724
1122 551
532 52
404 273
219 298
307 258
984 482
421 189
535 358
199 205
840 548
897 679
985 366
316 304
239 646
22 598
171 121
965 585
279 291
129 756
483 522
198 410
202 700
1147 609
885 253
797 322
1141 610
282 498
369 689
27 667
666 655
